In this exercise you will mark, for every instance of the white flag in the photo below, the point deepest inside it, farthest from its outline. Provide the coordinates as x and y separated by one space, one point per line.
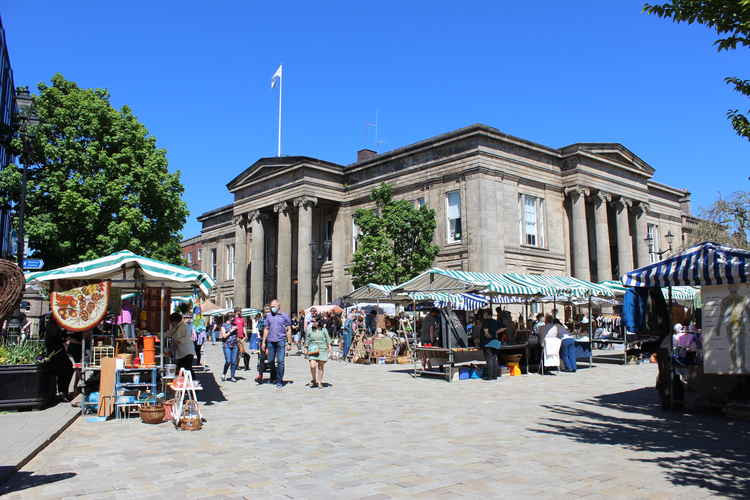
276 76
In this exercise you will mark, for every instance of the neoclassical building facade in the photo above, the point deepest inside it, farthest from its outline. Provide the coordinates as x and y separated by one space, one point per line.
502 203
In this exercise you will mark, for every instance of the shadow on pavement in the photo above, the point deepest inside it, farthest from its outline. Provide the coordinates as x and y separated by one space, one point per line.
211 392
706 451
22 480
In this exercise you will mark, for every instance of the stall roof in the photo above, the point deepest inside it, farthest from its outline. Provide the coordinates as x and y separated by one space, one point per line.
441 280
684 294
126 267
457 301
563 286
371 292
707 263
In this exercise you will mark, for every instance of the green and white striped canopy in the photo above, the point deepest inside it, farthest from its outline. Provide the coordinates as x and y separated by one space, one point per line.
373 293
448 281
250 311
126 270
563 286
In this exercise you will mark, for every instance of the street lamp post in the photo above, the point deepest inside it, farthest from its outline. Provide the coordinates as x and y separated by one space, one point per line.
653 250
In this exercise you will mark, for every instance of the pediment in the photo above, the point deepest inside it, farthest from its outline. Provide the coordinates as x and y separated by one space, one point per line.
612 152
267 167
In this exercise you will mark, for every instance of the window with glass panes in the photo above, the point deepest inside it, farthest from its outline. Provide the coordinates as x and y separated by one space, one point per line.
230 262
532 220
652 230
453 216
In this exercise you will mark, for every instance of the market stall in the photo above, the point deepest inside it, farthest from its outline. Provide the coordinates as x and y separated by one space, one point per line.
717 371
87 298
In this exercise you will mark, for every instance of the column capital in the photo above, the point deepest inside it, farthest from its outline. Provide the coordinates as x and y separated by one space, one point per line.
305 201
576 191
621 202
640 209
240 219
282 206
602 197
256 216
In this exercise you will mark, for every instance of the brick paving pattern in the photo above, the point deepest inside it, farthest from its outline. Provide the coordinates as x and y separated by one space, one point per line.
376 433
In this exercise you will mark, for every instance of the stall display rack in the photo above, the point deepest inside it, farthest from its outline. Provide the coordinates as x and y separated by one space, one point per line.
455 356
130 385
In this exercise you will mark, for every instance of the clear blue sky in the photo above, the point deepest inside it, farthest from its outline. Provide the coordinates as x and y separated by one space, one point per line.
197 74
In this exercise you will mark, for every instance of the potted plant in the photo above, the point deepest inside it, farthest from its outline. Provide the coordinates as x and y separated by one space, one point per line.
26 380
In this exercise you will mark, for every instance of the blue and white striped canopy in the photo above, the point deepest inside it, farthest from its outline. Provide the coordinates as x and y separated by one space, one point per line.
704 264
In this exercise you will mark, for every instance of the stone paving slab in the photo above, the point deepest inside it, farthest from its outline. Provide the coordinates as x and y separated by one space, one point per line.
25 433
378 433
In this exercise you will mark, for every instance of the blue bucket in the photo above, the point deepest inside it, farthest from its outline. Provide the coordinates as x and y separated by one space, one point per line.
464 373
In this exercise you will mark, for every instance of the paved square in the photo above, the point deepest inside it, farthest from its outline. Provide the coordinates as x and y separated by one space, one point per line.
378 433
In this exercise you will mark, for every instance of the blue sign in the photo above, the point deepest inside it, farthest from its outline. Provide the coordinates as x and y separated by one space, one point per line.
33 263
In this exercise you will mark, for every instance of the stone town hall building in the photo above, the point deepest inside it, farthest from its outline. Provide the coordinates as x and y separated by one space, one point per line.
502 204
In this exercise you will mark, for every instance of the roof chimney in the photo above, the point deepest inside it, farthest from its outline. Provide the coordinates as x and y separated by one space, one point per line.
365 154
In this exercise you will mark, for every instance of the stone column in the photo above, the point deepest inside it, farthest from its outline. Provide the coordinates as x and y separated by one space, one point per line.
641 245
577 197
624 243
304 250
603 256
240 260
284 256
257 270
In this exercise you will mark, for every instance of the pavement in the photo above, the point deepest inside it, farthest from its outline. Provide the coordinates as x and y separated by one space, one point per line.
377 433
26 433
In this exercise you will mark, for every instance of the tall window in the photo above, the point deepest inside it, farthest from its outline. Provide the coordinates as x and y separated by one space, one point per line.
213 263
327 243
230 262
532 220
355 235
200 254
653 242
329 294
419 203
453 215
229 302
189 257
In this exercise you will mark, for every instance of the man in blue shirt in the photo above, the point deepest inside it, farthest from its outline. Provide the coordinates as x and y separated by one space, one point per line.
277 337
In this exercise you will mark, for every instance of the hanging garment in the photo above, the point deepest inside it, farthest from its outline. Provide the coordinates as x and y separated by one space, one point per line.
634 309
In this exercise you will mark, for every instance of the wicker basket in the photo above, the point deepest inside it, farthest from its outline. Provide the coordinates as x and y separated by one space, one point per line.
403 360
152 414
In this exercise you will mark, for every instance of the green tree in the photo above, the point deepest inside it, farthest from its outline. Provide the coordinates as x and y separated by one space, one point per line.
395 240
97 183
726 221
731 21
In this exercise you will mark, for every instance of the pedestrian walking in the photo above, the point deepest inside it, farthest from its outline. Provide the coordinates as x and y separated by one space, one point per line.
229 337
239 323
296 335
317 347
199 338
348 334
182 342
277 338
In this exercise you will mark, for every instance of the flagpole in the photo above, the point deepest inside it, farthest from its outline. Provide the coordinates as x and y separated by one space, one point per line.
281 90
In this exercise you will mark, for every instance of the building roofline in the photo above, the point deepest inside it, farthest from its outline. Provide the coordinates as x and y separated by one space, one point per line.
215 211
468 130
188 241
669 189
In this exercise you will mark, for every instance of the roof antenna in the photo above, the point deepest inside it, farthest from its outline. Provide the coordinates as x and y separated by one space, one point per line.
377 137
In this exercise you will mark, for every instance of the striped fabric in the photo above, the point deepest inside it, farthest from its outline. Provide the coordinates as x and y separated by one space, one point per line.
457 301
221 312
371 292
250 312
112 267
704 264
562 285
449 281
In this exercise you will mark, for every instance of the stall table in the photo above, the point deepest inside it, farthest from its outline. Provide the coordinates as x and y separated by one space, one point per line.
448 358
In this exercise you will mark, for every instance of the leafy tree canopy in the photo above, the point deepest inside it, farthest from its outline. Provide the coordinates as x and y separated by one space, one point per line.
395 240
97 183
731 21
726 221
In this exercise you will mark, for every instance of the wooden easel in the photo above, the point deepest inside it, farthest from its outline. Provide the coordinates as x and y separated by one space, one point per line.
186 388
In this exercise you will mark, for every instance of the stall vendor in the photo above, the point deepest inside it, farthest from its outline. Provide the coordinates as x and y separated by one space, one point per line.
430 333
491 330
182 340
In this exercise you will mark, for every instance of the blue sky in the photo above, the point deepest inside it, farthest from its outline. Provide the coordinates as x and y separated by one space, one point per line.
198 75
